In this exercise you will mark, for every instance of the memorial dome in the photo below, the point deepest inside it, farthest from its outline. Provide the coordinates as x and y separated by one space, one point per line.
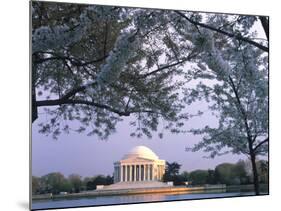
141 152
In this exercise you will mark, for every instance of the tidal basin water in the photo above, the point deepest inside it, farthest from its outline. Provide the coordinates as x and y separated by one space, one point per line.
125 199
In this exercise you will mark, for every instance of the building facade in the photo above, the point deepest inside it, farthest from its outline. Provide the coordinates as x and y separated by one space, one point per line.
140 164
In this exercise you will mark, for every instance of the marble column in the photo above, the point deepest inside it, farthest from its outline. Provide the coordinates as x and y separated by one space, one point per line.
128 173
144 172
139 172
118 173
148 172
158 172
135 172
162 169
133 169
131 173
152 172
149 175
147 168
125 173
121 173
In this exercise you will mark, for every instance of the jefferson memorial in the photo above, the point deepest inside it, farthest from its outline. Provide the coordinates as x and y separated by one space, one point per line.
139 168
139 164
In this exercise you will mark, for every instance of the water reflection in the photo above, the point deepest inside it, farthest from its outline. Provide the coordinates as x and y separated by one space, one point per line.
122 199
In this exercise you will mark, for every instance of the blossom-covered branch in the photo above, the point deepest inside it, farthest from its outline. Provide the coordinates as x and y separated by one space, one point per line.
125 48
231 35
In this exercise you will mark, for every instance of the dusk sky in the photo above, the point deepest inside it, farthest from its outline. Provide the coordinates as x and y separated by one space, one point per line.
89 156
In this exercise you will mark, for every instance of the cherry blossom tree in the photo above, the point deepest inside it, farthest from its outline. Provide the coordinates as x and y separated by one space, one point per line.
95 64
238 94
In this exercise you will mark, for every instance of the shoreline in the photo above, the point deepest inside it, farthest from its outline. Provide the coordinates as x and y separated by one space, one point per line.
136 191
172 189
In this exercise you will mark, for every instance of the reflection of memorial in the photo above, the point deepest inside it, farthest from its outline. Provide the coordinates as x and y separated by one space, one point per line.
140 164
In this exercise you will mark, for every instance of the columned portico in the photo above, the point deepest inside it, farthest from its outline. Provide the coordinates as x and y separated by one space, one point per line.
143 172
140 164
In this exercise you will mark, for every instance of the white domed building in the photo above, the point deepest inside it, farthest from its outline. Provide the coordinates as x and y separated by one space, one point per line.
139 164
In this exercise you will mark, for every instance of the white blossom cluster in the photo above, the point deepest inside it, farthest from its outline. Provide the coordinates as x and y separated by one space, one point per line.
46 37
203 40
211 55
145 21
125 48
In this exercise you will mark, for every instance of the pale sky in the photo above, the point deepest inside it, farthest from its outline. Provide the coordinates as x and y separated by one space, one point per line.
89 156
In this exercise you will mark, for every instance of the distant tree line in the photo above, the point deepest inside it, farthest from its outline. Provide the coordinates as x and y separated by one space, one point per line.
56 183
239 173
226 173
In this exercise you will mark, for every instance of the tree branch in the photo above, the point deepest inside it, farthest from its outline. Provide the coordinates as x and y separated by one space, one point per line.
73 92
73 61
236 36
168 66
265 25
261 143
241 109
105 37
83 102
58 102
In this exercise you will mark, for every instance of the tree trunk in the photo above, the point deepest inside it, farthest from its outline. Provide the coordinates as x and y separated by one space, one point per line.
255 173
34 111
250 140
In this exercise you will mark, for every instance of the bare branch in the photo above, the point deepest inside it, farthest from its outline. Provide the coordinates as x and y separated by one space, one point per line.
58 102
